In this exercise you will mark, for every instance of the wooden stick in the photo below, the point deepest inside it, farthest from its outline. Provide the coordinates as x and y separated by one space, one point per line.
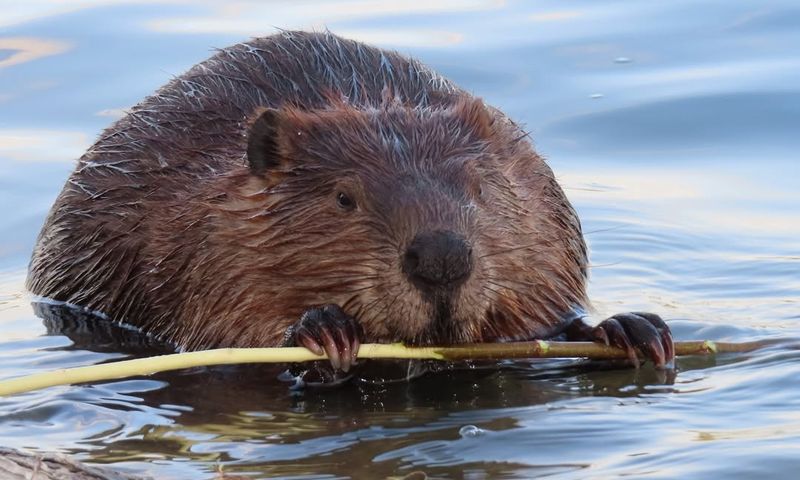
225 356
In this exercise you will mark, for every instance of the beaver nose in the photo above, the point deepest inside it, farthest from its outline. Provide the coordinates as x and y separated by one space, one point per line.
438 260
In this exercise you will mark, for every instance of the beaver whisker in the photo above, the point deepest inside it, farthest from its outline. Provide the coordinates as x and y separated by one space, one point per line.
386 307
510 249
504 299
365 307
542 242
525 285
604 265
362 289
607 229
508 287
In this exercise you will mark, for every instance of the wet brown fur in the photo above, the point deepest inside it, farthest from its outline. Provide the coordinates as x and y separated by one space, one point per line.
164 226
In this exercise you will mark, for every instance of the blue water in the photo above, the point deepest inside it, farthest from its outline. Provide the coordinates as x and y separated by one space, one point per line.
674 128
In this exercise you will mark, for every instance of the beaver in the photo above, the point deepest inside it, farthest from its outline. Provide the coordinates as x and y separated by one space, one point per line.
305 189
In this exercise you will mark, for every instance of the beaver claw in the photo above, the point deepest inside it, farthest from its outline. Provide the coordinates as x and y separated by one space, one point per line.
630 331
328 330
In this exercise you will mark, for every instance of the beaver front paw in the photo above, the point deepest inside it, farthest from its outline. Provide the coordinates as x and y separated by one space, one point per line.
629 331
328 330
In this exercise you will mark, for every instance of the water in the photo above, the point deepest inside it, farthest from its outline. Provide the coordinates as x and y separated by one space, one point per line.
674 128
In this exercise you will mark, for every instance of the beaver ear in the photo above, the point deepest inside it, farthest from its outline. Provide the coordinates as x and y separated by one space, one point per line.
263 151
476 115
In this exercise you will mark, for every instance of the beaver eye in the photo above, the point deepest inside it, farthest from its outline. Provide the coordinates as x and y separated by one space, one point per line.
344 202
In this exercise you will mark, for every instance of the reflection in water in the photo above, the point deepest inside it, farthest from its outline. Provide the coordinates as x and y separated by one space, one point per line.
683 168
92 331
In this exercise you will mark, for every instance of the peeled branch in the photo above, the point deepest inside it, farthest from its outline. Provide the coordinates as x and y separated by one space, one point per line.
227 356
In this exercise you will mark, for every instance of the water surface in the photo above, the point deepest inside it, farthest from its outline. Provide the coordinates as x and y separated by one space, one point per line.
674 128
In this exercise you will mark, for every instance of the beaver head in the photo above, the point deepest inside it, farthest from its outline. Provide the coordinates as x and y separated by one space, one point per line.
435 224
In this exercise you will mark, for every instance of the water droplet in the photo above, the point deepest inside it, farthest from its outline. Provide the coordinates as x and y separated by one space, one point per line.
471 431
